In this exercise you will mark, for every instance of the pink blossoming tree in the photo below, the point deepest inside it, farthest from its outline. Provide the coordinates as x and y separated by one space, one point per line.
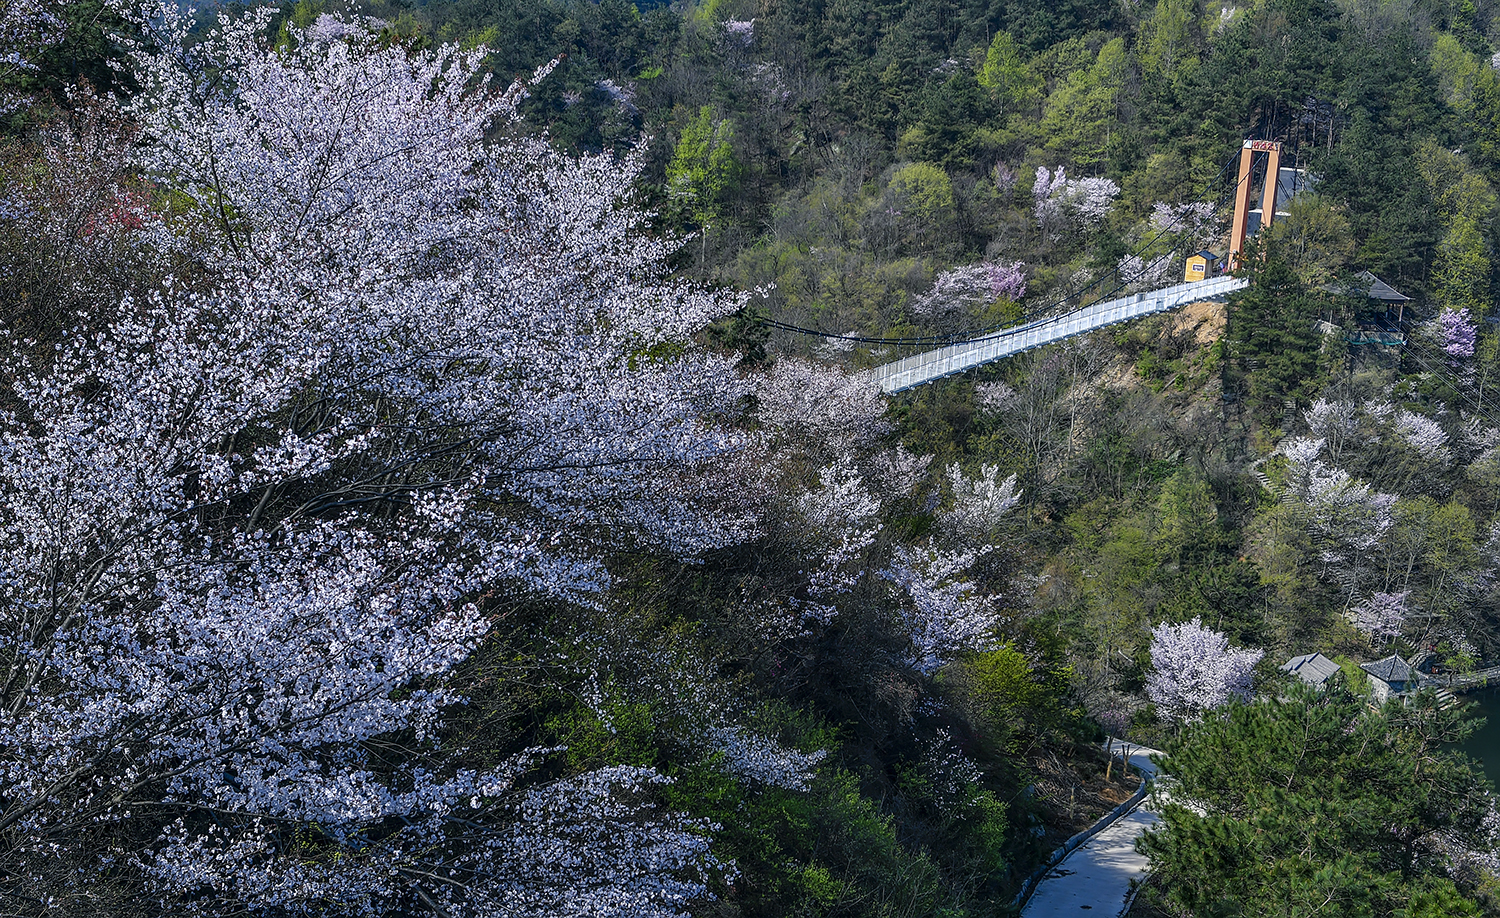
970 286
1455 332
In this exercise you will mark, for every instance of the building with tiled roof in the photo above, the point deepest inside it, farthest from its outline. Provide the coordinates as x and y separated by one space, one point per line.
1391 676
1313 668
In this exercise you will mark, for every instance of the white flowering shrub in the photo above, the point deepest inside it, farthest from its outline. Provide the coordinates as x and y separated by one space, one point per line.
898 471
1197 222
1380 410
820 406
740 32
27 27
1477 436
979 503
1091 199
761 760
841 520
953 774
1381 615
1423 436
1301 459
1149 272
1346 517
1336 423
995 396
1347 509
1062 203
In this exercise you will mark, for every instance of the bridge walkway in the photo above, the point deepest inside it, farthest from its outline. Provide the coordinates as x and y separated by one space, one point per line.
923 368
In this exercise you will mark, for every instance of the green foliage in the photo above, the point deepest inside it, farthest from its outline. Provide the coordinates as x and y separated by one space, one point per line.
1271 333
1355 678
1465 202
1014 700
622 733
1168 36
1083 112
951 130
920 198
1187 523
703 176
1317 805
1315 238
302 15
826 852
87 54
1007 76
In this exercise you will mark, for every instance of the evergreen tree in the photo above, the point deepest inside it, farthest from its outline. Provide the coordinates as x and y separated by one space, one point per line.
1318 805
1271 332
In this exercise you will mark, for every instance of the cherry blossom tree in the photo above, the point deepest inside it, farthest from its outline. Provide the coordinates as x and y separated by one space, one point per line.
764 761
1091 199
1194 670
1061 202
1454 332
740 31
1423 435
969 286
27 27
822 407
255 518
1346 517
1336 423
946 613
1381 615
1196 222
1148 272
841 520
1048 189
979 503
993 396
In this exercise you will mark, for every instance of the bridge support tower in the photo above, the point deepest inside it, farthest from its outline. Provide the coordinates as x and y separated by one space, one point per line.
1240 230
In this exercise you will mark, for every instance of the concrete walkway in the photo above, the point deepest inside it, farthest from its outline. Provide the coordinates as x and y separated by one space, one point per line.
1095 878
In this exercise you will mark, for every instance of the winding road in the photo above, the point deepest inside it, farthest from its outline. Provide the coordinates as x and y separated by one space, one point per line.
1094 879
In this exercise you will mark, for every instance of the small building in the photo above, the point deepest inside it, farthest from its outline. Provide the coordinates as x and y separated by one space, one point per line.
1313 668
1372 295
1200 266
1391 676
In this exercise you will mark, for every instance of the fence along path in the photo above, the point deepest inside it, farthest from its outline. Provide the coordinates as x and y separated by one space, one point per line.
966 355
1465 682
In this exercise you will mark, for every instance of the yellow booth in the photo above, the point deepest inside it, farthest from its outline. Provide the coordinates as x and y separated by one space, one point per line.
1200 266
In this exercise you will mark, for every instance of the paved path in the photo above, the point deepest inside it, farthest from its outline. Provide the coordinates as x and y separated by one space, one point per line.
1095 878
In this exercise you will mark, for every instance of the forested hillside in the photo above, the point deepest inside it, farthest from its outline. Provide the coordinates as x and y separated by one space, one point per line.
438 477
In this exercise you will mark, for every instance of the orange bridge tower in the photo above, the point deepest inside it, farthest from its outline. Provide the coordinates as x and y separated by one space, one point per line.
1242 228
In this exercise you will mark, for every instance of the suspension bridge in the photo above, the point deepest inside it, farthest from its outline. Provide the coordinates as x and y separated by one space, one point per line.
918 369
1278 185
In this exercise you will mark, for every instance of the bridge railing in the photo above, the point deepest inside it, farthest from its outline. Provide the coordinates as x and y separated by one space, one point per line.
956 358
